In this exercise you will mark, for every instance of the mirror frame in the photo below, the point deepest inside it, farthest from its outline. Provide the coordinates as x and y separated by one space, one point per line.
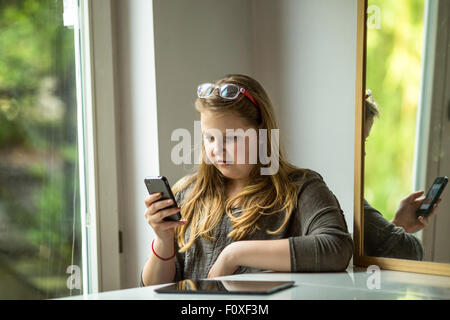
359 259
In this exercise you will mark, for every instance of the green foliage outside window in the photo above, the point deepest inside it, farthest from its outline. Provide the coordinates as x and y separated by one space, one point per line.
394 53
39 198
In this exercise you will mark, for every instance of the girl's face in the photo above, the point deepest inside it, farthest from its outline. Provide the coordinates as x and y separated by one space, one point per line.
227 151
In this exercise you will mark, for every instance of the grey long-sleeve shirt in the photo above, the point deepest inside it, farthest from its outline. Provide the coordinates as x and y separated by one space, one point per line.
384 239
317 233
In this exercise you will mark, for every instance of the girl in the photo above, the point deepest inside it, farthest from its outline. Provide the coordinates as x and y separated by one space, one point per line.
236 219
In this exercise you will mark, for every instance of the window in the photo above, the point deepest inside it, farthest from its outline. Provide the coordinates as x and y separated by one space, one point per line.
394 57
40 194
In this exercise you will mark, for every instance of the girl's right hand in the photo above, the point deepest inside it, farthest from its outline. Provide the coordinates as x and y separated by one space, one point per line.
155 213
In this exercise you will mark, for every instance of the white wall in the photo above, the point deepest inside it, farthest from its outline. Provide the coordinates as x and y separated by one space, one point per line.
196 41
302 52
305 56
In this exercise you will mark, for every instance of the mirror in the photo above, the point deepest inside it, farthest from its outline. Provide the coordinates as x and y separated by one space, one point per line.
405 134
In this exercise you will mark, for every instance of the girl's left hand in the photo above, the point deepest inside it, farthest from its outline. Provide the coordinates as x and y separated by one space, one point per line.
405 216
225 265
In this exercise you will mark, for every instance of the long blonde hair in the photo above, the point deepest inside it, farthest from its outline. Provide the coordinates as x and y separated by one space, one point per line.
204 205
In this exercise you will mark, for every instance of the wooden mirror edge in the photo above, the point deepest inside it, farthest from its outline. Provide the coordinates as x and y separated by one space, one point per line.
359 115
359 259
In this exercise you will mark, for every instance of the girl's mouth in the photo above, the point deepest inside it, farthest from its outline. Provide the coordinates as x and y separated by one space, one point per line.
224 164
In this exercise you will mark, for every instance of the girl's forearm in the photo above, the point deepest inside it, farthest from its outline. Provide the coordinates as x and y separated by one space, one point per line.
261 254
157 271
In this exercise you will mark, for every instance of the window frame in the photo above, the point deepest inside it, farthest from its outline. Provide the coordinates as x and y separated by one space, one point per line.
97 145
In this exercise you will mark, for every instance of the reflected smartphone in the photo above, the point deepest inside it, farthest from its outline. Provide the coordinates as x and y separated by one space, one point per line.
432 197
160 184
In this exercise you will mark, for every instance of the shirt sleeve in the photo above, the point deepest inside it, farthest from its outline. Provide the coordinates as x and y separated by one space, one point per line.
141 282
324 243
385 239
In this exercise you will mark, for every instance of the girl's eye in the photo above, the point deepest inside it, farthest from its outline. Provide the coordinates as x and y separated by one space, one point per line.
209 138
231 139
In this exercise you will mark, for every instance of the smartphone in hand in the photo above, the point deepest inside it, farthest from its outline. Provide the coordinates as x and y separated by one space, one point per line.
432 197
161 184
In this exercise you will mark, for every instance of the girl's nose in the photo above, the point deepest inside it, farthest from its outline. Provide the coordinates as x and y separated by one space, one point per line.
218 148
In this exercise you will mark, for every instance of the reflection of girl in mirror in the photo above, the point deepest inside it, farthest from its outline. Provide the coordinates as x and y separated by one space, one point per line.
392 239
235 219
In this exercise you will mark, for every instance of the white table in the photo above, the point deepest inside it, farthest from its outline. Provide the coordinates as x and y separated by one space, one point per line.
356 283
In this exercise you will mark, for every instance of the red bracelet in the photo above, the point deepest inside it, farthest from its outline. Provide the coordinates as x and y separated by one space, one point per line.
164 259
